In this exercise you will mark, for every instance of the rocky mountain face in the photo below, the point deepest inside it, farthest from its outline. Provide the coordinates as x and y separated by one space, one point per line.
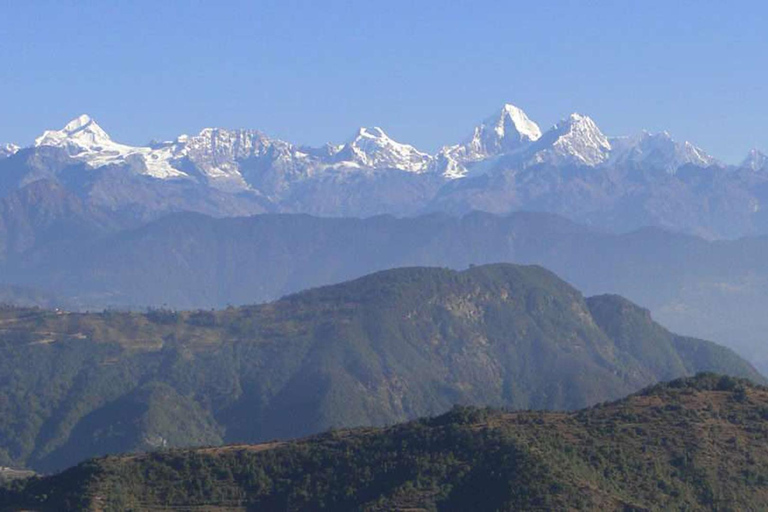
690 444
384 348
506 164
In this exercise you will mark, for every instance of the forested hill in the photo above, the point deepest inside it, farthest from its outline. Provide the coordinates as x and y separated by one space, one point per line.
384 348
692 444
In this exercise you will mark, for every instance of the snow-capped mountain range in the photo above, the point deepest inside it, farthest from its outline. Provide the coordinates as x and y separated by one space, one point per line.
84 140
217 153
506 163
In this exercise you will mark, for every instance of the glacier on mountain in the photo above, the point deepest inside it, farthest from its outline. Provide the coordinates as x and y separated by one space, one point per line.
84 140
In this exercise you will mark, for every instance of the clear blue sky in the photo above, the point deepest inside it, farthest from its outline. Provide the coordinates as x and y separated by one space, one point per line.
426 72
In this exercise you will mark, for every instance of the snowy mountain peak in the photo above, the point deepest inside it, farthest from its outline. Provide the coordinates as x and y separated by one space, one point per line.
84 140
658 151
236 160
371 133
514 122
7 150
756 160
80 133
216 153
507 131
576 140
580 124
695 155
78 123
373 148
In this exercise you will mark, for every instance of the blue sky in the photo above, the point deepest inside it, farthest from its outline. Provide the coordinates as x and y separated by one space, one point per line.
426 72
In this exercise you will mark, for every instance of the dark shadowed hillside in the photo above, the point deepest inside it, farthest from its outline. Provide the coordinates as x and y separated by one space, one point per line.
691 444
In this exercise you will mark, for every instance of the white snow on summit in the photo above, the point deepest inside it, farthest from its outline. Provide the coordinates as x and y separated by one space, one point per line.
372 148
236 160
217 153
514 124
508 131
81 132
576 140
658 151
505 131
502 133
7 150
84 140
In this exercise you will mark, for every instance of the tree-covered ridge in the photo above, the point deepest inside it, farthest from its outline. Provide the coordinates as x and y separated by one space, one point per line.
384 348
691 444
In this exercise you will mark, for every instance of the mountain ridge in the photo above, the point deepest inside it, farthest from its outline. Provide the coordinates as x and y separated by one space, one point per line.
506 164
383 348
576 137
694 443
713 290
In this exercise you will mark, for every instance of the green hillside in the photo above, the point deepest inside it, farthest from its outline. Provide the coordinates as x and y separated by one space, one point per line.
692 444
382 349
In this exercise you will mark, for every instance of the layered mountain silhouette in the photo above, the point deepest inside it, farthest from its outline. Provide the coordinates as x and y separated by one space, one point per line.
90 261
384 348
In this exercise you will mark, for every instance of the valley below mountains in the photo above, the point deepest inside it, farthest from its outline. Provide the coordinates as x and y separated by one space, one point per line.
385 348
